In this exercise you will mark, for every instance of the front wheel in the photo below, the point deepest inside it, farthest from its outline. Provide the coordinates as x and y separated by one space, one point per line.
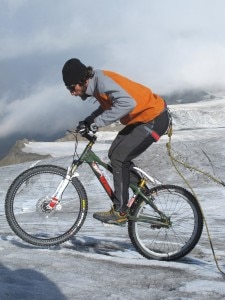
27 212
179 236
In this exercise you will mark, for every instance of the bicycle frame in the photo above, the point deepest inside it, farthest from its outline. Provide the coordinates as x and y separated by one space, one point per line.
94 161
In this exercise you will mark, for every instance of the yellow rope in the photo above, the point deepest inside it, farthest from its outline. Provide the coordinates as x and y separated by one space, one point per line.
173 160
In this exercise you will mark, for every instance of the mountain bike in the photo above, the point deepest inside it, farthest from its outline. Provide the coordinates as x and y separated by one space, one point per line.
46 205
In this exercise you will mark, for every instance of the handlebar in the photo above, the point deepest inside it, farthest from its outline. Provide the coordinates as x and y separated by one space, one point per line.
88 134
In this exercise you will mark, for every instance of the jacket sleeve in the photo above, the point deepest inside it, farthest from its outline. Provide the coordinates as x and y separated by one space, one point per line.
90 119
122 102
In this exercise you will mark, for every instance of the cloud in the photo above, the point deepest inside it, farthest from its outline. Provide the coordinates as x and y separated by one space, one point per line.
164 44
10 7
45 112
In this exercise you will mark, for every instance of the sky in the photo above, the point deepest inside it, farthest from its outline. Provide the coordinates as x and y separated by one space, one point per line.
99 262
166 45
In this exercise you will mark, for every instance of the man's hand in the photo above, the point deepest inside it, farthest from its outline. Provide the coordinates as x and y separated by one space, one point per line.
91 123
82 127
93 127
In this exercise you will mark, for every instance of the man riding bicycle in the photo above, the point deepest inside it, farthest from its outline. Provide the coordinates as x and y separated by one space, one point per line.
144 113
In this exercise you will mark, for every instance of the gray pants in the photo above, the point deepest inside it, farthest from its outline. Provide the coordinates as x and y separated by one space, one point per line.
131 142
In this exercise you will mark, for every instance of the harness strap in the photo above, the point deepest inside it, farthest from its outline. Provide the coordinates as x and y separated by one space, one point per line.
155 135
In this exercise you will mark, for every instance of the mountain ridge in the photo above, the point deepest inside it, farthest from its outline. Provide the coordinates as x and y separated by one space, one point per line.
205 113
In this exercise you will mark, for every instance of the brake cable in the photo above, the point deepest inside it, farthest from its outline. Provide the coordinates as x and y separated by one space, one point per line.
74 133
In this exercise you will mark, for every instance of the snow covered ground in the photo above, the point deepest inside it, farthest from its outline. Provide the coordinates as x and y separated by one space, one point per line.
100 262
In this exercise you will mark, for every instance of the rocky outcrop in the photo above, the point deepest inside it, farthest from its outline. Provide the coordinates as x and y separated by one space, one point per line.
115 127
16 155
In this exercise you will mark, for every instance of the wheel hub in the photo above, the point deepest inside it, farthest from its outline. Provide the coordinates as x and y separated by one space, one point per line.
43 207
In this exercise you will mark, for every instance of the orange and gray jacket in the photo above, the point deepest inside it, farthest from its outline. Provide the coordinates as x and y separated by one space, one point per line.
122 99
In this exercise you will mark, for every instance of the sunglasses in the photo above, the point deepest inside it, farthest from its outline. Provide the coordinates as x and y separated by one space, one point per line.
71 87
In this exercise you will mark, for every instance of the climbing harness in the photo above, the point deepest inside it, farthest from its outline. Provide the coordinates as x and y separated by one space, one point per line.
174 160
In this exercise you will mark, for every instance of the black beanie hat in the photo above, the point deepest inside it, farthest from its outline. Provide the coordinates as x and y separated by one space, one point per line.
73 71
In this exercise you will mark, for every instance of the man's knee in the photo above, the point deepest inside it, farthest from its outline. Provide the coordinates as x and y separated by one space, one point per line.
115 160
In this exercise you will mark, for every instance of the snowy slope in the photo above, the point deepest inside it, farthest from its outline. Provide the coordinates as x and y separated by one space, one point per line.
205 114
201 115
100 261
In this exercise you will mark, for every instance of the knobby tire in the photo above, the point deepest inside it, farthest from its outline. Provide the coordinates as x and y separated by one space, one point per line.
25 206
155 242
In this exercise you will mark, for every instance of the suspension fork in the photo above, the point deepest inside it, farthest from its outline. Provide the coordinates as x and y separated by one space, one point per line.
57 196
71 172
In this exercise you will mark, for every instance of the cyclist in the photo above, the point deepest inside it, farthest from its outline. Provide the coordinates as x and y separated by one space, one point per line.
144 113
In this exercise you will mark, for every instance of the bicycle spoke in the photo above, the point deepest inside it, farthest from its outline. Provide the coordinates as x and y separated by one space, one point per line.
28 211
176 238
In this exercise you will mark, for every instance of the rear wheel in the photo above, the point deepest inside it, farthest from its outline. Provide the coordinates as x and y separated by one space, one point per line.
27 209
166 242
